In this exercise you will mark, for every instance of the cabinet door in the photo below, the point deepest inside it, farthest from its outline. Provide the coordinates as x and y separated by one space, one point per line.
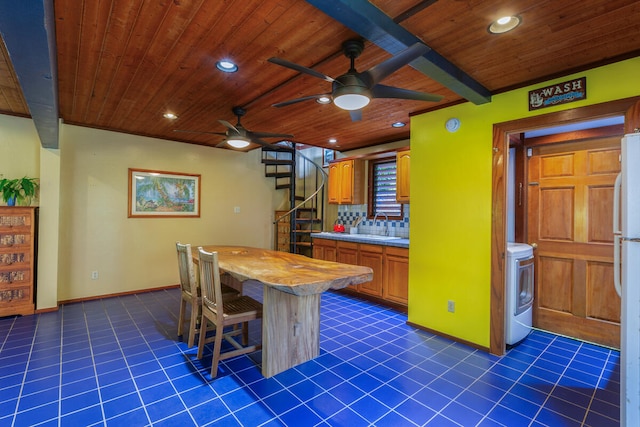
403 164
347 253
346 182
324 249
334 183
371 256
396 275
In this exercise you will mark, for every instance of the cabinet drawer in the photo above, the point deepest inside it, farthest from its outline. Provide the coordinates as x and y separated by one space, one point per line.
14 277
401 252
377 249
347 245
13 221
15 259
15 295
11 239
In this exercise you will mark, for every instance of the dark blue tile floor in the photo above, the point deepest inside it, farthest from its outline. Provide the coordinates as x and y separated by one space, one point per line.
118 362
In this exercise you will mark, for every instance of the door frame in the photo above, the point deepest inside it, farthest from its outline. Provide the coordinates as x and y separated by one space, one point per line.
501 132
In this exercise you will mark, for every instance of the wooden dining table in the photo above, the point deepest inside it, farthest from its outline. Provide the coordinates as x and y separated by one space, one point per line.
291 304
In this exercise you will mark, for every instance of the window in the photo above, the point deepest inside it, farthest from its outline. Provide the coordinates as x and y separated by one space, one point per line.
382 189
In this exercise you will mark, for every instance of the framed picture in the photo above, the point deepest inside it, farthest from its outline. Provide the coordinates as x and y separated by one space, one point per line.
155 194
327 157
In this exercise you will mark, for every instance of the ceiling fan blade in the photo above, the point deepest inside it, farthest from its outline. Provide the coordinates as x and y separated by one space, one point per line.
305 98
229 125
379 72
198 131
356 115
300 68
268 135
382 91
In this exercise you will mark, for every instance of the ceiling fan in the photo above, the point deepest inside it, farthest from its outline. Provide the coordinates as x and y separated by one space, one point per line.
354 90
238 136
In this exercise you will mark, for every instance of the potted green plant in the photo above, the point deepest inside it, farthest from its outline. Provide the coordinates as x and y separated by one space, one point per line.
18 190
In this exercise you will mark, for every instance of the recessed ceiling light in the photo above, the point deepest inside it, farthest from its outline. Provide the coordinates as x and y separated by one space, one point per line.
226 66
398 124
323 100
504 24
170 116
332 140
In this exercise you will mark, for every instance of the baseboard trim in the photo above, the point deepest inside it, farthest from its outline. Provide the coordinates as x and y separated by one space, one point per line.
118 294
450 337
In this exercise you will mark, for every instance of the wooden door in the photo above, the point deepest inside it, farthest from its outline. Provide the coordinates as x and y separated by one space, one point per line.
570 220
371 256
334 183
396 275
346 182
347 253
403 169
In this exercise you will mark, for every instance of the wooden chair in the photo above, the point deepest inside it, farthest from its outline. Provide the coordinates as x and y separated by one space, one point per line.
223 312
190 292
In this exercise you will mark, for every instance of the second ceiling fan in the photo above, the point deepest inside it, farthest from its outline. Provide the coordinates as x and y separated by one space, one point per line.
354 90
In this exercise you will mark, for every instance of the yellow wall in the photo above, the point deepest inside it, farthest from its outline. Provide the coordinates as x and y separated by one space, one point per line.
139 253
451 173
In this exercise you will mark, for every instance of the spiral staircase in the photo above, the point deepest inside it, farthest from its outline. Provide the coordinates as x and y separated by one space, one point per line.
304 180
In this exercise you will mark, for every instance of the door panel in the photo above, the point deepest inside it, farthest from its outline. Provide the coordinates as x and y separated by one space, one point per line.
570 194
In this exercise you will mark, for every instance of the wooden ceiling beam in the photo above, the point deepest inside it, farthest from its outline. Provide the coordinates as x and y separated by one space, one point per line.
373 24
28 30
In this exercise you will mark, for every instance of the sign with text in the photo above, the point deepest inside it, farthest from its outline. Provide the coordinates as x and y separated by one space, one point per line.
561 93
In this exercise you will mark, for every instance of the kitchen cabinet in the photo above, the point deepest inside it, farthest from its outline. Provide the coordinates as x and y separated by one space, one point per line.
17 260
346 182
403 164
347 253
396 275
390 267
372 256
324 249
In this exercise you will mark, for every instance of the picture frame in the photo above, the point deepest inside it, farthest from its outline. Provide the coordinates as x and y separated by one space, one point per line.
162 194
327 156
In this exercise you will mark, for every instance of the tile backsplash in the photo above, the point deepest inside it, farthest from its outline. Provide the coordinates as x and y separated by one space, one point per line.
348 213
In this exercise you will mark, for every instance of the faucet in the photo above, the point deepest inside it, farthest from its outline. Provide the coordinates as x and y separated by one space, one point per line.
386 223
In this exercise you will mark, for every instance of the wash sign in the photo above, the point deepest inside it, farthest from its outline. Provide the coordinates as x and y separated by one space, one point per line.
561 93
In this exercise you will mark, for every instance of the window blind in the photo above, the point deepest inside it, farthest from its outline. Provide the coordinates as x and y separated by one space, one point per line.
384 189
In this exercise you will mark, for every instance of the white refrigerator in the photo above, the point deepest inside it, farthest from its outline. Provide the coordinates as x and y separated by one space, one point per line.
626 228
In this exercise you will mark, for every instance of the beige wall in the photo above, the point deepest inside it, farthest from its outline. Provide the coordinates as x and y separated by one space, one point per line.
139 253
19 148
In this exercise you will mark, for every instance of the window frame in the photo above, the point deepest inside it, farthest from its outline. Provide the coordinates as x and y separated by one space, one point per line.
371 189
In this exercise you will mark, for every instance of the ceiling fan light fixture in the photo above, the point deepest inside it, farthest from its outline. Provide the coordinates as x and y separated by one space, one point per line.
226 66
504 24
238 142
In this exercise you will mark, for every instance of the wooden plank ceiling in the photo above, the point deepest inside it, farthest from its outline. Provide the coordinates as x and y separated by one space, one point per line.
122 64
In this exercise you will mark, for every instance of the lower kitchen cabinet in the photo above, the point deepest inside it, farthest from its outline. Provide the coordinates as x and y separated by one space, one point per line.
390 267
324 249
396 275
347 253
372 256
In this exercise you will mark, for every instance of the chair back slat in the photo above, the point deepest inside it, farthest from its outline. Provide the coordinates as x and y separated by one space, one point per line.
210 282
188 281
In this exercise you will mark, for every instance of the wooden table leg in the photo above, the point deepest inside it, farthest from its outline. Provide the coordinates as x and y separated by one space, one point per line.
290 330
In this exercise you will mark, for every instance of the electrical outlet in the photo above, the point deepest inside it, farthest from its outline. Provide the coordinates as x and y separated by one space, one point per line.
451 306
236 209
94 275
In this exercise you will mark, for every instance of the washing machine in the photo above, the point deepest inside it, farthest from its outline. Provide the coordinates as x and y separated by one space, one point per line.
519 295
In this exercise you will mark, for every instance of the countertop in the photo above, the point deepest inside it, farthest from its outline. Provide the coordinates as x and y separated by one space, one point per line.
363 238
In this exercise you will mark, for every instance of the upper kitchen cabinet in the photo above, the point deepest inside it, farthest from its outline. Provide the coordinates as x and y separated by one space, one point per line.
403 164
346 182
